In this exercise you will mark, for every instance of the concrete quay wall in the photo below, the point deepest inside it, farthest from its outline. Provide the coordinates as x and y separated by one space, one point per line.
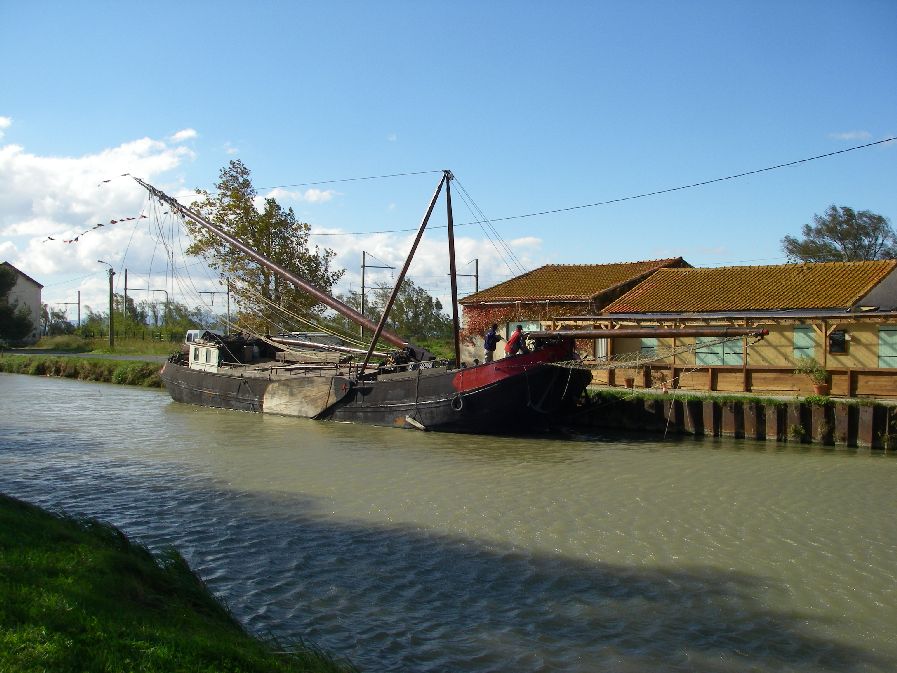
830 423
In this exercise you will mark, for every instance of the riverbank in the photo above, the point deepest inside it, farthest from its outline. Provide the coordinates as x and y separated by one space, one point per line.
815 419
104 370
79 596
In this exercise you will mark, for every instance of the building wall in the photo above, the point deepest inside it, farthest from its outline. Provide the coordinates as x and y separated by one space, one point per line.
777 348
26 293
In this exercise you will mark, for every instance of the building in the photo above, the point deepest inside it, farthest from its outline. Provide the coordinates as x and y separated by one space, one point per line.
551 291
26 293
842 314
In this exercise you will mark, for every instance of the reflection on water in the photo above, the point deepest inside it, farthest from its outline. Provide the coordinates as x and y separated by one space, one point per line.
409 551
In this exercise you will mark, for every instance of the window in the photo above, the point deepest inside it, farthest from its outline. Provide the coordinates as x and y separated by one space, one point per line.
711 353
887 347
601 349
649 347
804 342
208 354
196 353
527 325
837 341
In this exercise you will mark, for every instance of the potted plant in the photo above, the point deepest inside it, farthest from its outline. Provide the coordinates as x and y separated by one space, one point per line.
818 374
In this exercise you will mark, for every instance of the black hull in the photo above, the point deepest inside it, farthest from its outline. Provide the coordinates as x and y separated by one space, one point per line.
520 395
526 402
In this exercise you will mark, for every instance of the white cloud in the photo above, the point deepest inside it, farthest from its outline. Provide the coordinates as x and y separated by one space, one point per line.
851 135
308 196
5 123
183 135
392 137
229 149
63 197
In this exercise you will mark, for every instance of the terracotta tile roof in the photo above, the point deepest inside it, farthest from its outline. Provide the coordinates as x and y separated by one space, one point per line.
568 281
738 288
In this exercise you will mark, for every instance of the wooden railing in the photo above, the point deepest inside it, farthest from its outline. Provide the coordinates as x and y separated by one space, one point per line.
878 383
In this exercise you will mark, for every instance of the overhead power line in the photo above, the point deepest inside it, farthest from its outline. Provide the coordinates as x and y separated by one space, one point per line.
633 197
370 177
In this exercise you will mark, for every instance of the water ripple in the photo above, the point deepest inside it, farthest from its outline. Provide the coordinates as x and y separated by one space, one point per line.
412 552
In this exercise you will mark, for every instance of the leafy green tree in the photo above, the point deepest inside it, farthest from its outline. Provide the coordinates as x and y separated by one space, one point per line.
843 235
54 321
415 314
272 231
94 323
15 321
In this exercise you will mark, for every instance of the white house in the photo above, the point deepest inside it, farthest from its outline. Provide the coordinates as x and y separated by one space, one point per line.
26 292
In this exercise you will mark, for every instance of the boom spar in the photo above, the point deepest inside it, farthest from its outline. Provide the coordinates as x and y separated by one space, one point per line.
323 297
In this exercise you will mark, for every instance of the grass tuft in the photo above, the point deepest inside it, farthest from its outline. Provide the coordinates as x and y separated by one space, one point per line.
78 595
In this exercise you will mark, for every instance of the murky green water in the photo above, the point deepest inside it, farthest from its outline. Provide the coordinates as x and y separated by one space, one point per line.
409 551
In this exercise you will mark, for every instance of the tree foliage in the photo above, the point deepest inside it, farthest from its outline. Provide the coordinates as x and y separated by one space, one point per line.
15 321
415 313
843 235
54 321
272 231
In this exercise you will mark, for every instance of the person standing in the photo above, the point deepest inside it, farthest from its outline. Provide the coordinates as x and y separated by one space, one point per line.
490 342
515 342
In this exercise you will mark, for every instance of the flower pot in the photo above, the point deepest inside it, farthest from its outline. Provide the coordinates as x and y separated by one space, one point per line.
821 388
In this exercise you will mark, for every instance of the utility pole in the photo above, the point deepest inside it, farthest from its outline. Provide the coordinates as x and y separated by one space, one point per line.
365 265
212 302
67 304
475 275
164 315
111 304
124 308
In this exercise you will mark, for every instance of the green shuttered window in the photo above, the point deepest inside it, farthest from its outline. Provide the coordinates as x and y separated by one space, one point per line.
887 347
804 342
711 354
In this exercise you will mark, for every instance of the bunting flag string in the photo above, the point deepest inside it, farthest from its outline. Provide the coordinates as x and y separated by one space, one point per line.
96 226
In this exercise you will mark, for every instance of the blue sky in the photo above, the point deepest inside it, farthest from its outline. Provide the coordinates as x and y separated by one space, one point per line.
534 106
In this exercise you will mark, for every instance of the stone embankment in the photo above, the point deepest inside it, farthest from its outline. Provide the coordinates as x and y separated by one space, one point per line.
817 420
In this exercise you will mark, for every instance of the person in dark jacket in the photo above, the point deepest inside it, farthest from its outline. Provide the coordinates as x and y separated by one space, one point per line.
490 342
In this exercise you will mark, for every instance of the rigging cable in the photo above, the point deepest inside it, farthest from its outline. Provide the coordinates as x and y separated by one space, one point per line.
482 218
633 196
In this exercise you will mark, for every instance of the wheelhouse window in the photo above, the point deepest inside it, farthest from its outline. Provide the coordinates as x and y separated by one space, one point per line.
196 353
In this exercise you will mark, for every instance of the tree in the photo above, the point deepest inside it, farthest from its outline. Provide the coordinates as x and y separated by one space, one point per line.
843 235
273 232
15 321
54 321
415 314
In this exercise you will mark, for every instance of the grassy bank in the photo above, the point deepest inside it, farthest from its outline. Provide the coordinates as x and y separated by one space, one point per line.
130 372
77 595
123 346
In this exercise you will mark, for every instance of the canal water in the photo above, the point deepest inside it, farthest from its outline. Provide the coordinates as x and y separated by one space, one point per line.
410 551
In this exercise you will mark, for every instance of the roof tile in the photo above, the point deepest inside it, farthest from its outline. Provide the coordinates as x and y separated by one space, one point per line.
737 288
568 281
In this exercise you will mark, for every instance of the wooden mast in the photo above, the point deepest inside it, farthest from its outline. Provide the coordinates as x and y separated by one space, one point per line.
395 290
456 329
